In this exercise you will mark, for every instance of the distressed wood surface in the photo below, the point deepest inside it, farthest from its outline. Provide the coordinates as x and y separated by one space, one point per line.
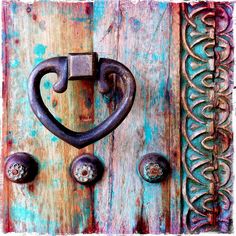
176 52
33 32
145 37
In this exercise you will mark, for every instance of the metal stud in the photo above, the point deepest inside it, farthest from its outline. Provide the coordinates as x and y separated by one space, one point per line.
86 169
21 167
154 168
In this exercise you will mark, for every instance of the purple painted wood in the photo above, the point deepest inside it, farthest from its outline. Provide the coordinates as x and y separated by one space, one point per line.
144 37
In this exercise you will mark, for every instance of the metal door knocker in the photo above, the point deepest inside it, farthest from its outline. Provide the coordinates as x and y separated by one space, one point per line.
77 67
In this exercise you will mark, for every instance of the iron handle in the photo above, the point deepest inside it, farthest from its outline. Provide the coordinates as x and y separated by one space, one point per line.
100 71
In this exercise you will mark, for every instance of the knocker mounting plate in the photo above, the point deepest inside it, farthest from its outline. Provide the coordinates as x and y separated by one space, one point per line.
82 66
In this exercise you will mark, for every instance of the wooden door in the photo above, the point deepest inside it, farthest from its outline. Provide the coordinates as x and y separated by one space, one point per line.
181 57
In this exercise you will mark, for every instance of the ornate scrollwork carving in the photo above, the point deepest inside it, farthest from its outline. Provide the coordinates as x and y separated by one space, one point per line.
207 63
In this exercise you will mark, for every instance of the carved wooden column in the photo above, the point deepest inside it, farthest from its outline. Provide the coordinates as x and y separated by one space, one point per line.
207 63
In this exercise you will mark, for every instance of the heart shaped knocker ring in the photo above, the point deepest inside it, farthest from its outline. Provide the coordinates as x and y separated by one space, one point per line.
77 67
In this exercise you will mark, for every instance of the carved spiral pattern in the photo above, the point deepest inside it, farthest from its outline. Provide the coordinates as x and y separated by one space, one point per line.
207 63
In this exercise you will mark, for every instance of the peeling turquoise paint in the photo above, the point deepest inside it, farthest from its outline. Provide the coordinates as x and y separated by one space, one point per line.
34 220
55 139
43 164
147 132
58 119
156 57
47 84
10 35
14 7
33 133
9 136
80 19
14 63
56 183
135 24
51 163
54 103
163 227
107 99
38 60
162 89
162 6
22 100
149 58
99 5
80 219
120 19
39 51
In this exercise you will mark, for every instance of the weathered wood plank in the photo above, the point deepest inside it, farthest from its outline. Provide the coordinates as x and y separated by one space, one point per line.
141 37
175 184
106 21
146 38
32 33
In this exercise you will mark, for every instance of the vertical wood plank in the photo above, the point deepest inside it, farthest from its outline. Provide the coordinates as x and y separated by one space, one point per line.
106 23
175 184
141 37
32 33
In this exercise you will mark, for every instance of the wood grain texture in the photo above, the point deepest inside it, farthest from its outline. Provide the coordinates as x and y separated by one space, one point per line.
174 51
32 33
145 37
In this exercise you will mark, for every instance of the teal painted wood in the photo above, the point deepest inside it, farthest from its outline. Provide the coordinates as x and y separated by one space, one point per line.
53 203
207 63
145 38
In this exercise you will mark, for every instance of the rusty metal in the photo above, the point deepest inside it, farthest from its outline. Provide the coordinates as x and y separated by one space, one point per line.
21 167
86 169
104 68
154 168
82 66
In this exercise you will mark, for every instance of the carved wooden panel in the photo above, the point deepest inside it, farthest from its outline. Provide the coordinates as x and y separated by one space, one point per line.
207 62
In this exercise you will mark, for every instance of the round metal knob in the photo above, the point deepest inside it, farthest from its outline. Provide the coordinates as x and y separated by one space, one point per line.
154 168
86 169
21 167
